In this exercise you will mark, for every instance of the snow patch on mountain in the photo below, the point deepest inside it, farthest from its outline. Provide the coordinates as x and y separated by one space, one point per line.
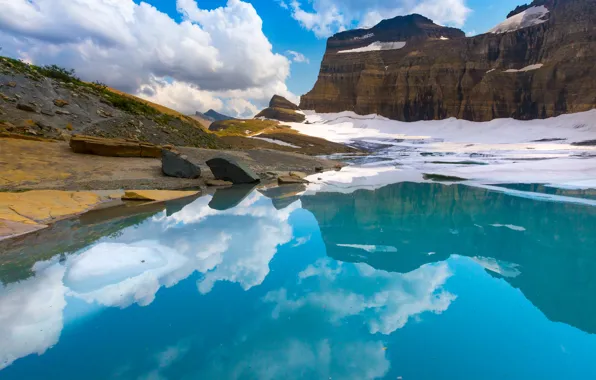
376 46
530 17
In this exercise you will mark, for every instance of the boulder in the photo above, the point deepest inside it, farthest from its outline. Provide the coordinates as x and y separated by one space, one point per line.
281 102
300 175
60 103
113 147
27 107
174 164
228 169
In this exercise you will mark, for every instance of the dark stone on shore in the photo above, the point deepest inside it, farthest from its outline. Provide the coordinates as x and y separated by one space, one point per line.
176 165
228 169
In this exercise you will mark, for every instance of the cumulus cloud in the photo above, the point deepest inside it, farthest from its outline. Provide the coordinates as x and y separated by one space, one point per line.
331 16
297 57
211 59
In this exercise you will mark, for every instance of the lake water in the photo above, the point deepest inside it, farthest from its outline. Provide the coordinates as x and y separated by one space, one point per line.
410 281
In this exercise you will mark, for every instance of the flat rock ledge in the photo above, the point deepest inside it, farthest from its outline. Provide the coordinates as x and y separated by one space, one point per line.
114 147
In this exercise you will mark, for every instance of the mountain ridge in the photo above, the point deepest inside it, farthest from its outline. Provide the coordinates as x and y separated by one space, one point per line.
527 72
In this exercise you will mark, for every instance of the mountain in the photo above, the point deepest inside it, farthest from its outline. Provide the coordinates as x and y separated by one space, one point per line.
212 116
536 64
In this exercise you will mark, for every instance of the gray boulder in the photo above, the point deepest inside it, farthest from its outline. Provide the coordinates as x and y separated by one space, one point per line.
174 164
228 169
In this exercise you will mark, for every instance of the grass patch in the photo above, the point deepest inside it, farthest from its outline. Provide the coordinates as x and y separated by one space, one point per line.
244 128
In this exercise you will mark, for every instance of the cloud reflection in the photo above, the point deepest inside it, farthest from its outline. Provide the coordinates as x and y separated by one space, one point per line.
385 300
234 245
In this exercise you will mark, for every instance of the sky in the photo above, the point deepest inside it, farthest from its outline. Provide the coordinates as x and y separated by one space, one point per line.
228 55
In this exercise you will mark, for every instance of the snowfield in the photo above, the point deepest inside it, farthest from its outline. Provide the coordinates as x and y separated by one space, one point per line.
557 151
530 17
375 46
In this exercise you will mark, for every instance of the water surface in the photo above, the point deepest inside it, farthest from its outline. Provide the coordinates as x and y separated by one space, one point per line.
417 280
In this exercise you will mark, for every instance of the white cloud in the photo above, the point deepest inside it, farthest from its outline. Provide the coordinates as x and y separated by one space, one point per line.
297 57
331 16
211 59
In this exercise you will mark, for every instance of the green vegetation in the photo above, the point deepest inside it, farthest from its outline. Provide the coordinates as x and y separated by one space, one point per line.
246 127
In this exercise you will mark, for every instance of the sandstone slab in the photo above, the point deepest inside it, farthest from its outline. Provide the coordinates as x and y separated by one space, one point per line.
113 147
156 195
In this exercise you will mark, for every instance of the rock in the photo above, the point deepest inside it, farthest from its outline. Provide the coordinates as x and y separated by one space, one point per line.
217 183
175 165
433 78
286 180
60 103
11 84
113 147
27 107
300 175
156 195
228 169
281 114
47 112
281 102
103 113
319 169
62 112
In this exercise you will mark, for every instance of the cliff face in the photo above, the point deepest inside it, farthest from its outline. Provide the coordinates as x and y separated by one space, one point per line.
440 73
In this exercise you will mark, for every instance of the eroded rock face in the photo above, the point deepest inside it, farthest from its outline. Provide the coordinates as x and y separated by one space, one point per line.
440 73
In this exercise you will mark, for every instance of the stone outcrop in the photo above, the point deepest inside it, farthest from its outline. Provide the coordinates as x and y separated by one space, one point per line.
282 109
440 73
174 164
281 102
228 169
113 147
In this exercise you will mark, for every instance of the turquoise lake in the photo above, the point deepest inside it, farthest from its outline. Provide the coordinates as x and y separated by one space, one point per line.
410 281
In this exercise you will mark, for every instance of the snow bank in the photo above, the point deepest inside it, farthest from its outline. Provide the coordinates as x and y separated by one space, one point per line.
498 151
274 141
375 46
530 17
527 68
443 38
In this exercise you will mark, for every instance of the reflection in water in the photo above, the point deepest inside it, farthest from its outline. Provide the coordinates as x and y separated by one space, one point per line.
385 300
234 245
268 285
546 249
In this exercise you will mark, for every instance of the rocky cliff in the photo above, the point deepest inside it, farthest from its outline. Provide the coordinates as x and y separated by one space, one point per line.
539 63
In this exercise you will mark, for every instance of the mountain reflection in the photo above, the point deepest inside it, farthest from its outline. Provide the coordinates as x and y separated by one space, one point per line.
546 249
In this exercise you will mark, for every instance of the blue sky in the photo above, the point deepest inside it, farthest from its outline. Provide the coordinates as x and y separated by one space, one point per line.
285 33
192 55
